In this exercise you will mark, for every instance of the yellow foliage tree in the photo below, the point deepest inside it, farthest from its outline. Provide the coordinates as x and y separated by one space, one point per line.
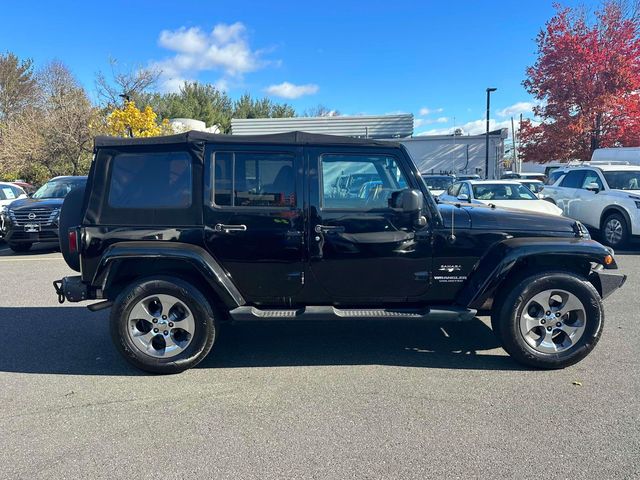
130 121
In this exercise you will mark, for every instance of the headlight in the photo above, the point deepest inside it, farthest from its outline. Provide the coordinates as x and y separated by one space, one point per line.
637 203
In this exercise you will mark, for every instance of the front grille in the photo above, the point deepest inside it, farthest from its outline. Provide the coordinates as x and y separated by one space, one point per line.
40 216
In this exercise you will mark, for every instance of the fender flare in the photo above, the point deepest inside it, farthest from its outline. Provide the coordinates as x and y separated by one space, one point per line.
505 256
617 209
196 256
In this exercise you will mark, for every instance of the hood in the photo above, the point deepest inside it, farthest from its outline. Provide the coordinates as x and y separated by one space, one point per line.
483 217
539 206
634 194
27 203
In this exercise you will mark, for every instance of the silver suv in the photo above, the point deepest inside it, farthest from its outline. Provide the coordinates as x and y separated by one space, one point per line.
604 198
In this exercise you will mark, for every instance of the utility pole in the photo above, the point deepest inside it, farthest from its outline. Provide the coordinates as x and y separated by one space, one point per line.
513 147
486 152
519 130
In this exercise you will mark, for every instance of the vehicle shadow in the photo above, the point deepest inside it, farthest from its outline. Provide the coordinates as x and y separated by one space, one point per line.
37 249
74 341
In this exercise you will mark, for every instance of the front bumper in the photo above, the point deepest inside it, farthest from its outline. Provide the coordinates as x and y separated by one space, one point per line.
606 281
47 233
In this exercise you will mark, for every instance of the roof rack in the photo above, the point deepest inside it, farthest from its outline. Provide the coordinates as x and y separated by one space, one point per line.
595 163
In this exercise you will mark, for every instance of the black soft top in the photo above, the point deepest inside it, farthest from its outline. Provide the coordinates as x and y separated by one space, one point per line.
289 138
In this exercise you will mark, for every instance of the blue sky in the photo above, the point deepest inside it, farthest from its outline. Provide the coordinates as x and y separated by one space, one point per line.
430 58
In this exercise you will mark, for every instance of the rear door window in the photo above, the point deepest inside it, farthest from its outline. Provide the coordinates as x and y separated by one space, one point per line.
573 179
254 179
151 180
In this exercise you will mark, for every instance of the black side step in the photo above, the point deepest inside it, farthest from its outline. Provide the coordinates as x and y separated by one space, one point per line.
434 313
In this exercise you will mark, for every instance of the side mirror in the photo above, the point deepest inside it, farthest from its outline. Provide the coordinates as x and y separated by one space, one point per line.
409 201
463 197
593 187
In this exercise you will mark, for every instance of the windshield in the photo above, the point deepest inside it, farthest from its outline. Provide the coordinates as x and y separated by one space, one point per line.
438 183
498 191
535 187
58 188
625 180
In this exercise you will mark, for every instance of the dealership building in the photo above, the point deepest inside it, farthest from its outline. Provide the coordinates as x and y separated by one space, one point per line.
431 153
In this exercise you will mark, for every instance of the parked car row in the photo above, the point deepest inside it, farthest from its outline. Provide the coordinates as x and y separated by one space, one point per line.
9 192
605 198
27 220
499 193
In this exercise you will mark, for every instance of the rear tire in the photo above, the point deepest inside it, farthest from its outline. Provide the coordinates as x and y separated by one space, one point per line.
162 325
550 320
615 231
20 247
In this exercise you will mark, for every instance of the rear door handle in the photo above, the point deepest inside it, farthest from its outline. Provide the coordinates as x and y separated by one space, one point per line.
328 228
220 227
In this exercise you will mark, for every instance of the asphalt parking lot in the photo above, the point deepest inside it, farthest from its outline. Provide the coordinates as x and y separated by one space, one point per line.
329 400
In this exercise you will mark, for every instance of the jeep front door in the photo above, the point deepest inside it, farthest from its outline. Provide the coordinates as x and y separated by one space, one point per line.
253 218
360 249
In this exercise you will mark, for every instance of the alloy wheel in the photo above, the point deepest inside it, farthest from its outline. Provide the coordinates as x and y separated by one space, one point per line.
613 231
161 326
553 321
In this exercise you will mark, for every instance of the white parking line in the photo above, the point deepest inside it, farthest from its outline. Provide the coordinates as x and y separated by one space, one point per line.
28 259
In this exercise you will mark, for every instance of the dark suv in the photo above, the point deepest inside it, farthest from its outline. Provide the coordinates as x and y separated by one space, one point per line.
177 234
35 219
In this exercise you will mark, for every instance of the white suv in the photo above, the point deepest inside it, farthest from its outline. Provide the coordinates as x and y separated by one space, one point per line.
604 198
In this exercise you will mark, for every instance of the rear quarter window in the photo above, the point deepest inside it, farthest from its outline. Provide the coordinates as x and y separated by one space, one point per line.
151 180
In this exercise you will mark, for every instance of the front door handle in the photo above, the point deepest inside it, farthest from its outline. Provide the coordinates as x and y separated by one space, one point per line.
220 227
328 228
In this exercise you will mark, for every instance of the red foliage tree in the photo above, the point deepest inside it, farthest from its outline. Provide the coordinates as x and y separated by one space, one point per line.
587 82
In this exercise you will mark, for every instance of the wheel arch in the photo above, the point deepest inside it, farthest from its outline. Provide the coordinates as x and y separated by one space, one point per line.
615 209
125 262
510 260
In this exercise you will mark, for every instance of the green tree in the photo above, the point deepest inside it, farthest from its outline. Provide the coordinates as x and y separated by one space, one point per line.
248 107
195 100
18 86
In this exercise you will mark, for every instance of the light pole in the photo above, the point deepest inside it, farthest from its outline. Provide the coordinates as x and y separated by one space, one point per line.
486 151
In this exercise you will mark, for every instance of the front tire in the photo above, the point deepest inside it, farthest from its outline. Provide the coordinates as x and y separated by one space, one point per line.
163 325
550 320
615 232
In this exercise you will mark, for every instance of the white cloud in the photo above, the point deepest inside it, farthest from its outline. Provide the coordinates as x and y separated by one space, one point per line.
191 40
442 119
225 49
516 109
289 90
428 111
474 127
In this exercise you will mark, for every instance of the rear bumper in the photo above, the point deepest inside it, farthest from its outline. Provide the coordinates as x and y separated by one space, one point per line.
72 289
606 281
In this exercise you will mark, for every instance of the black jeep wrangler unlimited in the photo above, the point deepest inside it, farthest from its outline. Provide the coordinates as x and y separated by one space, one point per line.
177 234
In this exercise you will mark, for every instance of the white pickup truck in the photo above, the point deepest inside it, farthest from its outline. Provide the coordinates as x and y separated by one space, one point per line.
603 197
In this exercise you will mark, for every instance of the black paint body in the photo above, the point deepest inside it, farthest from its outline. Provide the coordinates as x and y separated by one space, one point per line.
308 255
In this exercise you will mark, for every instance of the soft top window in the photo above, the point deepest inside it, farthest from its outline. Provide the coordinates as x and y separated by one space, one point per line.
151 180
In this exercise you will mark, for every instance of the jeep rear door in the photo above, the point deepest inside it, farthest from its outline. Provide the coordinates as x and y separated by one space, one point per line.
253 218
361 250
